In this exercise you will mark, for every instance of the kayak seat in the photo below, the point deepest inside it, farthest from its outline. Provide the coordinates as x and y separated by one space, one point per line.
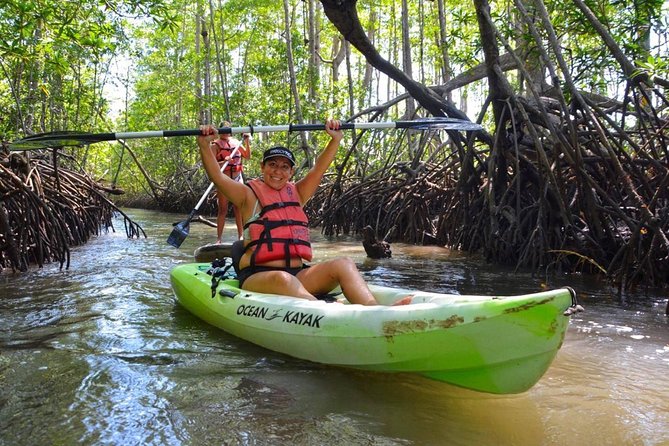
327 297
237 251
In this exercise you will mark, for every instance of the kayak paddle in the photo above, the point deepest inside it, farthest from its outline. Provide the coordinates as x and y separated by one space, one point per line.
181 229
67 139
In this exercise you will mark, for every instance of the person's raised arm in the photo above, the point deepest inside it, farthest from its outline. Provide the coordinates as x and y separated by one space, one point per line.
234 191
245 146
307 186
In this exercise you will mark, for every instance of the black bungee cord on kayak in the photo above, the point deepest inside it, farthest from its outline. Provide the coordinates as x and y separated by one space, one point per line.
221 270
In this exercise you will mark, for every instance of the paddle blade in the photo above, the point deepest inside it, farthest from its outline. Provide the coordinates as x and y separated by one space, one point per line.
59 139
179 233
439 123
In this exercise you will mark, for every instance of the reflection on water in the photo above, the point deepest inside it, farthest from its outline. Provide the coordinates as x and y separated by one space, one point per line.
101 353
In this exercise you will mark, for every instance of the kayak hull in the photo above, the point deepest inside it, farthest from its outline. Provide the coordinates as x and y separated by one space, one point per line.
495 344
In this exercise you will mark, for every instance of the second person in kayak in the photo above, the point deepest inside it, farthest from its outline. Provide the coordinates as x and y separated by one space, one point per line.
276 233
231 151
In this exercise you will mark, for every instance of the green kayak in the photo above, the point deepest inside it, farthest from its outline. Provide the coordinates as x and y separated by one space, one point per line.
496 344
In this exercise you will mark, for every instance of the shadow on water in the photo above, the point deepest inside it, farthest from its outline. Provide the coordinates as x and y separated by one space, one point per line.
101 353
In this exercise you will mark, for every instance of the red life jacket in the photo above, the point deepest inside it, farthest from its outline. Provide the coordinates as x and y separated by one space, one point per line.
281 230
225 148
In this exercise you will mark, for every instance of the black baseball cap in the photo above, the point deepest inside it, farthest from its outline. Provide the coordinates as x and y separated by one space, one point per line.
279 151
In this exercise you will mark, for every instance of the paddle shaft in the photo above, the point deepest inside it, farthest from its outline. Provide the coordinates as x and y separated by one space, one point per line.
211 185
247 129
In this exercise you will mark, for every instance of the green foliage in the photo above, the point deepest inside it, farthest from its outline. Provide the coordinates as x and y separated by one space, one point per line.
655 66
54 56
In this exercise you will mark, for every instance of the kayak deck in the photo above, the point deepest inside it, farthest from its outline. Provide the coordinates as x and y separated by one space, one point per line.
209 253
496 344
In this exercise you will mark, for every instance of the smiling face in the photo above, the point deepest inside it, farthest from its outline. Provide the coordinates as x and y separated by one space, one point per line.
277 171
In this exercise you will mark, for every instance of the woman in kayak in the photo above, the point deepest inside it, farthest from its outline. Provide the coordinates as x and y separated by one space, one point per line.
276 235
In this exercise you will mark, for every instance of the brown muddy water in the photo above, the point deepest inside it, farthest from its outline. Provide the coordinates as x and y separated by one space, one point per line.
103 354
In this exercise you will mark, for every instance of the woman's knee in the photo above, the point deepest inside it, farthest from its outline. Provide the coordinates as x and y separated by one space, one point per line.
344 265
345 272
280 279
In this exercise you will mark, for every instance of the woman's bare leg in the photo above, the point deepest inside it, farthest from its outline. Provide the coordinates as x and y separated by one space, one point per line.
318 279
220 218
277 282
324 277
238 222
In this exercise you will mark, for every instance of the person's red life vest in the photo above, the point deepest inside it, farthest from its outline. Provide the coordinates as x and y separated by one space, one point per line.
281 230
225 148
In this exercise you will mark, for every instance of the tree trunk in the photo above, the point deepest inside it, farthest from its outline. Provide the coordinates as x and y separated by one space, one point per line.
314 67
293 78
446 70
406 57
198 65
371 35
338 55
349 80
206 60
219 47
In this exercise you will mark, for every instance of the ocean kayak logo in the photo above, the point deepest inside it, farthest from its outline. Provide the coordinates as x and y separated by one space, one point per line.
289 317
